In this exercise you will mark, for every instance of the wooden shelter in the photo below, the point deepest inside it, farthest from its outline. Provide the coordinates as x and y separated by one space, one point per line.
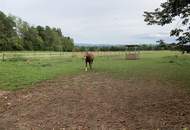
186 47
132 52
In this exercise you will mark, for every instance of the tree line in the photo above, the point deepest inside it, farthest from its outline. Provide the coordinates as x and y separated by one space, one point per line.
161 45
16 35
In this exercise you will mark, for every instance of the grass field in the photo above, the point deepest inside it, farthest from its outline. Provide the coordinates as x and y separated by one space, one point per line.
28 69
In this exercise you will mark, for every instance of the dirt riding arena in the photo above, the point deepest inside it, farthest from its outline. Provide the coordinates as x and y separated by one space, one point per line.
95 101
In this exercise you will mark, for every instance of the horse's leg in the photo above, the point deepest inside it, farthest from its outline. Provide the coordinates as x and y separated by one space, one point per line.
91 62
86 69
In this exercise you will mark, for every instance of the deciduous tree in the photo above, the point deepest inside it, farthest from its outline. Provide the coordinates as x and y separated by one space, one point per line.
170 11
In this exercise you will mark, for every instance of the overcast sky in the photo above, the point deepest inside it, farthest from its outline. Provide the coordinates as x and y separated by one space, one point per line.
92 21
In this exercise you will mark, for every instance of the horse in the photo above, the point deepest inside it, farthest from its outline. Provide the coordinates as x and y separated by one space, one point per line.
89 58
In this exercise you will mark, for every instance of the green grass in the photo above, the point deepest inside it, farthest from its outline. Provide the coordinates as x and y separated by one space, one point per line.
165 66
19 74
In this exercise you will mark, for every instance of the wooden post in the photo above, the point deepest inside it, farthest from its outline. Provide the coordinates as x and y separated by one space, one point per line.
3 57
126 49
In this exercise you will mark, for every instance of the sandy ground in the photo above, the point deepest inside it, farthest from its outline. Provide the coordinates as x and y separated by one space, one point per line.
95 101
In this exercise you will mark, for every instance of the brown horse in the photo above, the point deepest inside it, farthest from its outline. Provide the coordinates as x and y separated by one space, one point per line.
89 58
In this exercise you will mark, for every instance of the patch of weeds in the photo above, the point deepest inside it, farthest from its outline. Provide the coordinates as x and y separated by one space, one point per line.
46 65
171 61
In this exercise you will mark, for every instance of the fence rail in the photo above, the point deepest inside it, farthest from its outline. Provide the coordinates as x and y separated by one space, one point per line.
9 55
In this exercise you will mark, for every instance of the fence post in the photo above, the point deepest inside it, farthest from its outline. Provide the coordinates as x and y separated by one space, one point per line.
3 57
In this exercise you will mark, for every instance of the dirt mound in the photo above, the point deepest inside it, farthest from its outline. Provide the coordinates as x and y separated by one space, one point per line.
94 101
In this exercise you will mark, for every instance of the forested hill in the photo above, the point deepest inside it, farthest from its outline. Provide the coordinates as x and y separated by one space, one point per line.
16 34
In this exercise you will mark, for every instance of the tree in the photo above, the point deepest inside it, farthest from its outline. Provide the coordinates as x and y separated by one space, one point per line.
7 32
67 44
169 12
16 34
162 45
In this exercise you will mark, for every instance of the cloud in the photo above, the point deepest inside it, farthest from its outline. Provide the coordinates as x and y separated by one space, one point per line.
98 21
